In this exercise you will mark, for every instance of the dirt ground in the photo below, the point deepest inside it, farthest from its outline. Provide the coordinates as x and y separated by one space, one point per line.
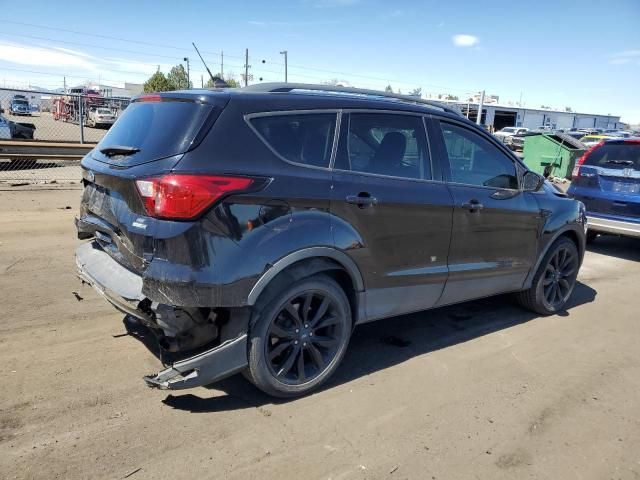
483 390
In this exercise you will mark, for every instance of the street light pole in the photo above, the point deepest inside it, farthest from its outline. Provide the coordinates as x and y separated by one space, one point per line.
186 59
285 53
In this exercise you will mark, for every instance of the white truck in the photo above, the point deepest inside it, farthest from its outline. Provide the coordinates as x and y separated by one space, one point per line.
508 132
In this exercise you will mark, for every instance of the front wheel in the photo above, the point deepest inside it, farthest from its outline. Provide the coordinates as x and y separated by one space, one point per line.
555 279
299 338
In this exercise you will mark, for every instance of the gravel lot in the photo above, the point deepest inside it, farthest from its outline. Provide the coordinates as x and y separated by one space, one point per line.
481 390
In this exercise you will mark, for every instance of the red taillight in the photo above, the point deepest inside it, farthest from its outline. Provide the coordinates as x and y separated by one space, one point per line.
576 169
183 197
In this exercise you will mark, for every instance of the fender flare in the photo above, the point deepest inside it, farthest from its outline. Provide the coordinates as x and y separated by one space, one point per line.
306 253
568 228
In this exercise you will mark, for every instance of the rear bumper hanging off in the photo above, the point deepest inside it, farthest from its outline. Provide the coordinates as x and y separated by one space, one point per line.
123 289
204 368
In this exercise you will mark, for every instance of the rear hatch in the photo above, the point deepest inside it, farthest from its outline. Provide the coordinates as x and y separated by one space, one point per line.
148 139
609 179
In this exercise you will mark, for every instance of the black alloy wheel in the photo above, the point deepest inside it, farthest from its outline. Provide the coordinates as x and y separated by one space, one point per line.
300 337
304 337
559 277
554 280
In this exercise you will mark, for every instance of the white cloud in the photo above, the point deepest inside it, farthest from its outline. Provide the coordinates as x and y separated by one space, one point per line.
46 57
625 57
464 40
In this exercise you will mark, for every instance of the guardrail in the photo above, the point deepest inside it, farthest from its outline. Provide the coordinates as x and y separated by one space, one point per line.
32 161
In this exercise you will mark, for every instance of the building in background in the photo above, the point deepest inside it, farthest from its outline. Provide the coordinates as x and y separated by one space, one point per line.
499 116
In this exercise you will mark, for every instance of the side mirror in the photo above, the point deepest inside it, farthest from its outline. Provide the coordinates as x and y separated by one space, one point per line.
532 182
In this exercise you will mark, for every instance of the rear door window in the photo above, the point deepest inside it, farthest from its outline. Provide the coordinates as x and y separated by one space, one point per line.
158 129
305 138
388 144
616 156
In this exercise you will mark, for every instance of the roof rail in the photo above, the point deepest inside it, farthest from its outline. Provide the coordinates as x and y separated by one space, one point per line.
276 87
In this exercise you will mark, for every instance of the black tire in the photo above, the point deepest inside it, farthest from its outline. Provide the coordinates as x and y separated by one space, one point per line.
591 236
285 358
555 279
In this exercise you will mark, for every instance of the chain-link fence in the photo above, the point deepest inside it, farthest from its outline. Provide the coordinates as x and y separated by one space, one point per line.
79 115
39 131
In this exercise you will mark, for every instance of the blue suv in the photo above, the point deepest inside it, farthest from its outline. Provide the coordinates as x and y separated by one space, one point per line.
607 180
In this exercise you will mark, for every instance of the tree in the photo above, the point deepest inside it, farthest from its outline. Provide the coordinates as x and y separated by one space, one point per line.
178 78
232 82
388 89
157 83
568 109
416 92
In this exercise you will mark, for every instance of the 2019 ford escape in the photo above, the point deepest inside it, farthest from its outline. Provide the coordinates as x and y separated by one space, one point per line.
251 230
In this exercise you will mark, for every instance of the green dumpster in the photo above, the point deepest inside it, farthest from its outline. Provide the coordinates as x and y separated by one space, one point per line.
552 153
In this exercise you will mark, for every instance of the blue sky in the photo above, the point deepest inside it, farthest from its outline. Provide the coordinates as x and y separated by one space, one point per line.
558 53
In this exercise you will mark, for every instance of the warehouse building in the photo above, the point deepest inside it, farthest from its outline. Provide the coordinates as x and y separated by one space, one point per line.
499 116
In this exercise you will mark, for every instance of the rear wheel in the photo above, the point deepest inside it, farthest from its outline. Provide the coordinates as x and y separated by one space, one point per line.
299 338
555 279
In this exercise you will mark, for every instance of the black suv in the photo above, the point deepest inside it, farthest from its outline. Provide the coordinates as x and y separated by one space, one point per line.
251 230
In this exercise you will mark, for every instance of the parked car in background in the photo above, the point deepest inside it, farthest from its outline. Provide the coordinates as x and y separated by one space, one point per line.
607 180
21 130
592 140
101 117
252 229
19 106
509 131
516 142
5 131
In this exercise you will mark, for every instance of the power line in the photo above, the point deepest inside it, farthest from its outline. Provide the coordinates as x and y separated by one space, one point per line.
108 37
291 67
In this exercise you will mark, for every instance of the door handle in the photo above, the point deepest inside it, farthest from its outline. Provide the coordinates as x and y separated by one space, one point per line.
363 200
472 205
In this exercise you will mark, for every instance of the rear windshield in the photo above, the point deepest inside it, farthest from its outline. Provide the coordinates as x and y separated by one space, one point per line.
508 130
157 129
616 156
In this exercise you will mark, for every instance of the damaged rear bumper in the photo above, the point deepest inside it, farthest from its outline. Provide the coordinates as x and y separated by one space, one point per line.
204 368
123 289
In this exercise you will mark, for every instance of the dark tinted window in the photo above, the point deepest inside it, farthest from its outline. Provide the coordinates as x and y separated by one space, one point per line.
158 129
388 144
475 161
299 138
616 156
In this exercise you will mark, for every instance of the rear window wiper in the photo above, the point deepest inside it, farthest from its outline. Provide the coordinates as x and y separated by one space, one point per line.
114 150
620 162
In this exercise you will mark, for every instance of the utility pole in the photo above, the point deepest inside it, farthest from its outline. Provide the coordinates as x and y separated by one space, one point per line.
201 82
246 67
479 119
186 59
222 64
64 79
285 53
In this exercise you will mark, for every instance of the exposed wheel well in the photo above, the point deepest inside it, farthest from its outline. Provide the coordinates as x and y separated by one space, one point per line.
573 236
306 268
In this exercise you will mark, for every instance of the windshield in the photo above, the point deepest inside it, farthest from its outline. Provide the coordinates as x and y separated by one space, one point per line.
508 130
104 111
157 129
20 102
